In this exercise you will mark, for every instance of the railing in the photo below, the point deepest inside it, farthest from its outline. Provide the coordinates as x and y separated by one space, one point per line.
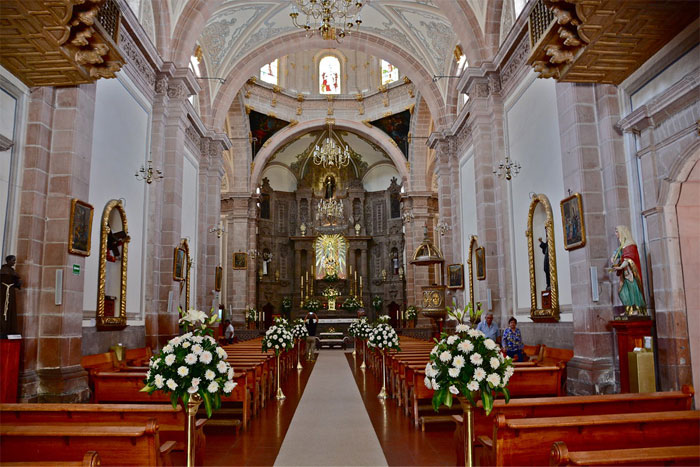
540 20
108 16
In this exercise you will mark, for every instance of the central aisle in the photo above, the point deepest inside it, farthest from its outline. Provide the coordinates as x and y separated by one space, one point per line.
331 425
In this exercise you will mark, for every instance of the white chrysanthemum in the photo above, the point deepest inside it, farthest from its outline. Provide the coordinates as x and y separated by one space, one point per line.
453 372
186 345
473 386
436 385
431 370
210 339
230 373
206 357
494 379
171 384
462 328
168 349
453 389
465 346
426 381
148 374
196 381
159 380
277 346
500 357
445 356
221 352
190 359
458 361
193 389
197 349
476 359
175 341
452 339
170 359
490 344
479 374
210 375
154 363
473 333
228 386
183 371
494 362
198 339
213 387
509 371
221 366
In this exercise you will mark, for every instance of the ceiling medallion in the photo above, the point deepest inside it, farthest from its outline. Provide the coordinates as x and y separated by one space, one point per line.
330 154
333 19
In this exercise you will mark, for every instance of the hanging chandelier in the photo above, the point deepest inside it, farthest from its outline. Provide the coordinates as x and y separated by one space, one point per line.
329 211
507 168
330 154
333 19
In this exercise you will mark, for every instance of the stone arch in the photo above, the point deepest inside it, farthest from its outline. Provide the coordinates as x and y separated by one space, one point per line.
161 19
283 45
189 27
466 28
287 134
492 26
421 127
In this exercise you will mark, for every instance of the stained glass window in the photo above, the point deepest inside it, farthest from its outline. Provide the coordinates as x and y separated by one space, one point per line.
329 75
389 73
268 73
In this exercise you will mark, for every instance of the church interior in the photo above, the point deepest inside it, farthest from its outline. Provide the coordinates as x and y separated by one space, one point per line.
259 232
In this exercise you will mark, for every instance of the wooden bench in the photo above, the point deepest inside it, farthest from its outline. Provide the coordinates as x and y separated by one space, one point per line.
528 441
118 444
90 459
172 423
665 455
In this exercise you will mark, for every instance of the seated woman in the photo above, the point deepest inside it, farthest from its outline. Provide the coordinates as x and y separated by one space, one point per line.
513 341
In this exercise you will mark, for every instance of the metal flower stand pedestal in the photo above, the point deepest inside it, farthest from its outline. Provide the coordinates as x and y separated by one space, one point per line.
192 406
280 395
382 393
364 352
469 430
299 366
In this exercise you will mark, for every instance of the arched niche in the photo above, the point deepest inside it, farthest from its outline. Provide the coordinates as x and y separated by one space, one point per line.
111 279
542 221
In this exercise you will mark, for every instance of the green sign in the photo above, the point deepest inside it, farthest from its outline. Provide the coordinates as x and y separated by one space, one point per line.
76 269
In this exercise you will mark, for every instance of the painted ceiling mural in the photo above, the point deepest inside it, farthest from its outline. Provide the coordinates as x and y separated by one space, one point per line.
396 126
262 127
239 26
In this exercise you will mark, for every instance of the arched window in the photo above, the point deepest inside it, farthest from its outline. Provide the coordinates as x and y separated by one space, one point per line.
389 73
268 73
329 75
462 64
519 5
194 66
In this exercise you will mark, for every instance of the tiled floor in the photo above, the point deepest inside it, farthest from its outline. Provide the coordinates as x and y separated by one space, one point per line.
259 445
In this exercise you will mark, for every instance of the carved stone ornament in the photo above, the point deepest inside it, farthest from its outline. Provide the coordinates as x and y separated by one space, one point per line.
515 61
137 59
177 90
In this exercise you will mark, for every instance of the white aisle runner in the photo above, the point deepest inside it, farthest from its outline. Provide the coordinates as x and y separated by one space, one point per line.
331 425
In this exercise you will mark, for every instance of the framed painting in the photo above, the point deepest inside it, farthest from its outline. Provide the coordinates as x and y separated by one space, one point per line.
572 222
80 228
480 255
455 276
240 260
180 257
217 278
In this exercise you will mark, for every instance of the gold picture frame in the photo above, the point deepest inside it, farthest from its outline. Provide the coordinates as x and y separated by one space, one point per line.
455 276
473 244
572 222
218 273
550 314
111 309
480 254
80 227
179 263
240 260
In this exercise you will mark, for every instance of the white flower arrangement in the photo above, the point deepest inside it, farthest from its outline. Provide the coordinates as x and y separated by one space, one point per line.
299 330
192 364
467 363
383 337
363 329
383 319
279 321
353 328
277 338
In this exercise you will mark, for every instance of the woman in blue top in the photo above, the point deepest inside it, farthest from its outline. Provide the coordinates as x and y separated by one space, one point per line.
513 340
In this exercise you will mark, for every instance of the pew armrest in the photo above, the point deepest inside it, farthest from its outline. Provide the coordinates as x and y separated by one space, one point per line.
458 419
165 450
485 441
200 422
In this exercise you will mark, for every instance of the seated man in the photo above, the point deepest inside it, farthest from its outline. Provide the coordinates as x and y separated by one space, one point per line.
488 328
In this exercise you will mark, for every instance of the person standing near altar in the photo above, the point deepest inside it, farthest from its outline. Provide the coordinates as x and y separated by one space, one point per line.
9 284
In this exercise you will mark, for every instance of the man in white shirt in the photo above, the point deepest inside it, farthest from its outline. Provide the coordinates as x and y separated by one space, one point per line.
487 327
228 332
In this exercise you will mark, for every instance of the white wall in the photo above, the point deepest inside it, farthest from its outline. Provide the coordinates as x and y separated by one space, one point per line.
281 179
470 225
189 222
119 148
667 78
378 178
532 137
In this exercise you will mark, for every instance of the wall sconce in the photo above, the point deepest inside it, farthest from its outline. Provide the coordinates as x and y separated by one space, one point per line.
218 230
148 173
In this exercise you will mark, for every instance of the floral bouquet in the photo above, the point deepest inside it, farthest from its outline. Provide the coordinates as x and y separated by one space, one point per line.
312 305
364 329
382 319
279 321
192 364
473 314
383 337
465 363
411 313
353 328
287 303
299 330
277 338
351 303
377 302
251 315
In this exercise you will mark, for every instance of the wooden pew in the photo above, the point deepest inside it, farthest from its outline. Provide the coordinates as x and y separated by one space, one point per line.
666 455
90 459
172 423
536 381
527 441
118 444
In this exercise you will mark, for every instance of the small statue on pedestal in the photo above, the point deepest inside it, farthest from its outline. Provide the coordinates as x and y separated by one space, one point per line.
625 262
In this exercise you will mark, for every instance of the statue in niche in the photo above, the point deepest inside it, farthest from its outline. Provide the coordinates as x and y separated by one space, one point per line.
545 251
9 283
267 259
395 261
625 262
329 184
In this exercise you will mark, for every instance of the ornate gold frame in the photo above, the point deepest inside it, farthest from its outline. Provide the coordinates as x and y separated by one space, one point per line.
245 260
480 259
550 314
184 245
71 236
218 274
470 266
579 202
110 323
461 267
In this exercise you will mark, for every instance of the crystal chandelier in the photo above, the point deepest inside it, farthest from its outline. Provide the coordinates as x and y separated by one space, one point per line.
330 154
333 19
330 210
507 168
149 173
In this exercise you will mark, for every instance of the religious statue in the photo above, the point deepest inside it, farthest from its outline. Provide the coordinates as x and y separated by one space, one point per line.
267 259
329 183
545 251
625 262
331 256
395 262
9 284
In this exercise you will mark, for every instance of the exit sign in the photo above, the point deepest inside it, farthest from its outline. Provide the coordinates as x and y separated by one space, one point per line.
76 269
